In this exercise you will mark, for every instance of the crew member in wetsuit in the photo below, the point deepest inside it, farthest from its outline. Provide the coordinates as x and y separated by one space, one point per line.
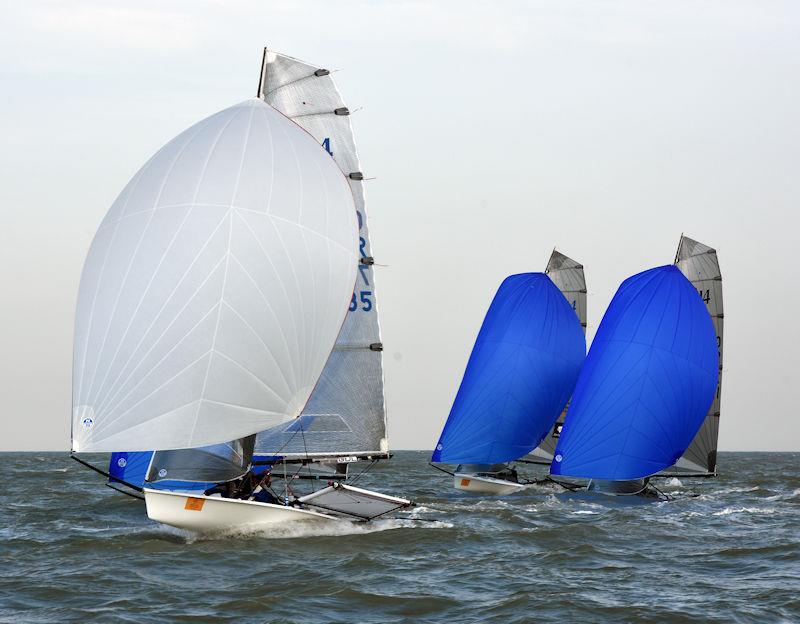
227 489
261 492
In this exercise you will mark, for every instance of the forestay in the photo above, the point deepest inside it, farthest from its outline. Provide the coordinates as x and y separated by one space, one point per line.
346 413
647 382
214 289
520 374
699 263
568 276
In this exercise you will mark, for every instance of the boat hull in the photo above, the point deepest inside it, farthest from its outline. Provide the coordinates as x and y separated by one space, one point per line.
479 484
635 487
213 513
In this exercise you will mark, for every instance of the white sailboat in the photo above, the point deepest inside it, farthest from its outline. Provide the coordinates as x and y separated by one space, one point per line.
210 303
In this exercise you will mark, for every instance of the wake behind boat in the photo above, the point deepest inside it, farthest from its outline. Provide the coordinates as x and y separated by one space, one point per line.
217 303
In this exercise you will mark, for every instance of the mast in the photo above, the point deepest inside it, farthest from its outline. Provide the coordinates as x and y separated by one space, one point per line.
700 265
346 414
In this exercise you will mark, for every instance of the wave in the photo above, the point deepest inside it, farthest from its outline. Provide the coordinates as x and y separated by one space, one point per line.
738 510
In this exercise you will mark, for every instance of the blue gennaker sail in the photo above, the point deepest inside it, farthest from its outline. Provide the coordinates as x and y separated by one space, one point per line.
129 467
520 374
184 469
647 382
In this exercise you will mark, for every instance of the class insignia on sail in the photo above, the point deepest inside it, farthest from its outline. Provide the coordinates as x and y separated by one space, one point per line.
645 388
519 377
214 299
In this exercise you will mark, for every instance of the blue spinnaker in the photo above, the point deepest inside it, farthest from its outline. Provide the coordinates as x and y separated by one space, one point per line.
647 382
520 375
130 467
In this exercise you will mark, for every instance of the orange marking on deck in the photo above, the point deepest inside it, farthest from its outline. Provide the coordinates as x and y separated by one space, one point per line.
464 482
194 504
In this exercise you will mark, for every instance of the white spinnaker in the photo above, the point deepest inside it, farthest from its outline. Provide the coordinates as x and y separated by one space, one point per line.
214 288
346 413
567 274
699 263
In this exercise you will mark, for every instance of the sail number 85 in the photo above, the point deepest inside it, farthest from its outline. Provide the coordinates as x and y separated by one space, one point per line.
365 299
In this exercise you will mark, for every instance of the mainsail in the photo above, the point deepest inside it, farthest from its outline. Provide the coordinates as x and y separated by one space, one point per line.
345 414
646 385
214 289
520 374
699 263
568 276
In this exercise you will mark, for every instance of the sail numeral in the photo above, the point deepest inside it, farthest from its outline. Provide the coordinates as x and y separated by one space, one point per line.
705 295
363 268
365 298
326 143
574 304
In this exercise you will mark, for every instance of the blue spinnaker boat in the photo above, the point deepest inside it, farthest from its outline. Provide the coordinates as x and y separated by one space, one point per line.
520 374
647 382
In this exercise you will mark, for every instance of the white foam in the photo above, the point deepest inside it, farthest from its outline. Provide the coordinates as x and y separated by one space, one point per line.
737 510
311 528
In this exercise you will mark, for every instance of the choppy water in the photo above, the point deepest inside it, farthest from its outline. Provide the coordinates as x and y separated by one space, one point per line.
72 550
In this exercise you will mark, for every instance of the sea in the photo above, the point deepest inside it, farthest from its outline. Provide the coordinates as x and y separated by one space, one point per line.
722 550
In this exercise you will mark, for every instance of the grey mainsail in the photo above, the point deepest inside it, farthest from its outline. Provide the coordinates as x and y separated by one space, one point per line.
699 263
568 276
346 412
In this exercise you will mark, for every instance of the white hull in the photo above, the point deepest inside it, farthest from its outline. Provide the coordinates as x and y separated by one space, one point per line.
213 513
485 485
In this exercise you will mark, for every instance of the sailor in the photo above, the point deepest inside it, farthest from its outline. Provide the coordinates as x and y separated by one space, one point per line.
261 493
226 489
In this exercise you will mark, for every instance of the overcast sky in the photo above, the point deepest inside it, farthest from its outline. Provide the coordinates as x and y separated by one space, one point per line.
496 131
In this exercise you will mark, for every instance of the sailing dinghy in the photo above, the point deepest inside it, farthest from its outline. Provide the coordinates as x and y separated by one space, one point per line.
645 388
520 375
212 297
